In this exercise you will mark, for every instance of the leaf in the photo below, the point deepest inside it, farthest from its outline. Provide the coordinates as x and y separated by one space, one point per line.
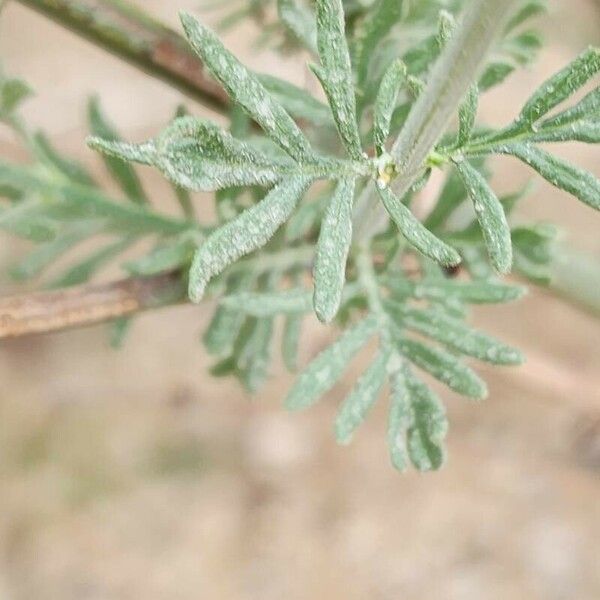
245 89
249 231
428 428
118 332
297 101
530 9
453 194
44 255
306 218
336 73
495 74
415 233
385 103
144 154
333 246
300 21
90 201
198 155
12 93
172 255
456 335
71 169
378 22
121 171
467 115
225 325
475 292
491 217
23 219
325 370
289 302
83 271
290 341
581 184
446 27
417 425
445 367
399 421
562 85
362 398
253 360
588 106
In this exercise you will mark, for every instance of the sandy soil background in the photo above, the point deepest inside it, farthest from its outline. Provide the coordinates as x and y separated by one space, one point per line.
132 474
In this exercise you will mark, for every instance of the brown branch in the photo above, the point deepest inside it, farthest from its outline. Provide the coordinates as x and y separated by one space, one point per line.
84 305
131 34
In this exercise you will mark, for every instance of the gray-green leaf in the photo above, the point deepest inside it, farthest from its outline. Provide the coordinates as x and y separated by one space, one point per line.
415 233
445 367
385 103
329 272
355 408
457 335
289 302
249 231
300 21
377 24
562 85
244 88
297 101
121 171
336 73
325 370
428 429
467 114
580 183
491 217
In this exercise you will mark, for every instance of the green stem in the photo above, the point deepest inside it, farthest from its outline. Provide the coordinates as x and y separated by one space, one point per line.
576 277
452 75
131 34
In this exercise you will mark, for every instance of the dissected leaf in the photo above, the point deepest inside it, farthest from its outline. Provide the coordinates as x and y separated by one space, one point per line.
445 367
472 292
329 271
491 216
172 255
290 302
122 172
467 115
385 103
244 88
12 93
70 168
457 335
428 428
356 406
290 341
325 370
300 21
377 24
580 183
335 74
297 101
399 420
225 325
415 233
248 232
562 85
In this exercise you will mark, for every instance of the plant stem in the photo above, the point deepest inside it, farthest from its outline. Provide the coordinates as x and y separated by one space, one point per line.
88 304
131 34
452 75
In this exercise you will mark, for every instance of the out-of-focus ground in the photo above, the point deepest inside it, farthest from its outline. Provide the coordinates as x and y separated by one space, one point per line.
133 474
